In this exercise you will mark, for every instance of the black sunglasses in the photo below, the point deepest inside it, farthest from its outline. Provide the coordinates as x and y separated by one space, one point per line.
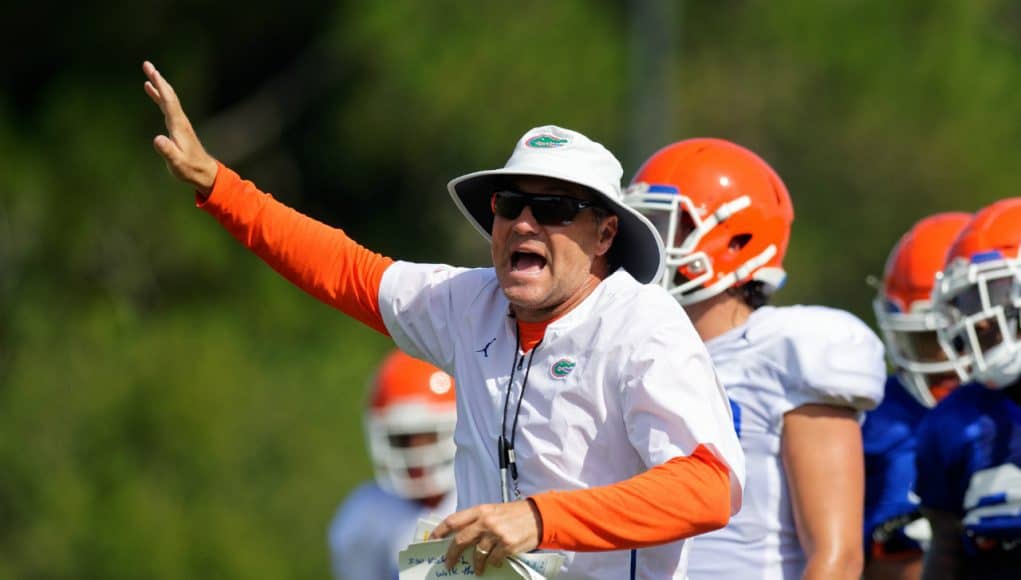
548 210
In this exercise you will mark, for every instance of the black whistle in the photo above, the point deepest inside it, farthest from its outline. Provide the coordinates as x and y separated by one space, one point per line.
501 450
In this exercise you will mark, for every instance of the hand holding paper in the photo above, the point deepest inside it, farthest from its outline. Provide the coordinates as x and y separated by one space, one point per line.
496 531
427 561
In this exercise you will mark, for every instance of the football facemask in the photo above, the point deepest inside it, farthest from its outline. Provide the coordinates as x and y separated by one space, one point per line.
412 449
913 346
981 302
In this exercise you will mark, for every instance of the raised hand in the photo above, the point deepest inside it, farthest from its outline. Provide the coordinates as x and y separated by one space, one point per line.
182 150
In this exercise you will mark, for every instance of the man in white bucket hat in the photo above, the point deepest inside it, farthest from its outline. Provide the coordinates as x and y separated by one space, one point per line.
607 436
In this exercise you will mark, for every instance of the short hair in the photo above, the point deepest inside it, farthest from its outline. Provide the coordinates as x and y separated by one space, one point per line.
753 294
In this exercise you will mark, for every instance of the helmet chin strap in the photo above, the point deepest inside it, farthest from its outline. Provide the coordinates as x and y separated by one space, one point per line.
742 272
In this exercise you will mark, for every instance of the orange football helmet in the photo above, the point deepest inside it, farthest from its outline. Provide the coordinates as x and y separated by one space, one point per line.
979 293
723 213
904 308
410 427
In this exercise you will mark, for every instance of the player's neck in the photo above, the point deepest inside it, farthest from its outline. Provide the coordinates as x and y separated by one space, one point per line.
717 315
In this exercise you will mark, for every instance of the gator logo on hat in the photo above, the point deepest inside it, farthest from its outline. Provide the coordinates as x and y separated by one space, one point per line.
546 141
562 368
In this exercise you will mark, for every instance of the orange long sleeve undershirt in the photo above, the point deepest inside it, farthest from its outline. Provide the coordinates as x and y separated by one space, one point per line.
317 258
683 497
680 498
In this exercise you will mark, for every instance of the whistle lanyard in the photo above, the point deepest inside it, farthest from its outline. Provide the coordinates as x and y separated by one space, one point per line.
505 446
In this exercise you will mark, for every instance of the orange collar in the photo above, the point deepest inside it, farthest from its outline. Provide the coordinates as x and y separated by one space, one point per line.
531 333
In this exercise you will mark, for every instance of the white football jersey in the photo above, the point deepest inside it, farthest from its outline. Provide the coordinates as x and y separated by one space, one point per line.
619 384
371 527
780 359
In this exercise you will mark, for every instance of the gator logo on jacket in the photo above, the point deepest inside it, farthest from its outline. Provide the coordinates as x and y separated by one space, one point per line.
562 368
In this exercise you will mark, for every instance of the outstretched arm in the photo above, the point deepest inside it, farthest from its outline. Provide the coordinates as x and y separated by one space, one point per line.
317 258
180 147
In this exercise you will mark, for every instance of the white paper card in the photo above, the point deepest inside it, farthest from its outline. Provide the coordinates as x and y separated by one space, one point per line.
424 560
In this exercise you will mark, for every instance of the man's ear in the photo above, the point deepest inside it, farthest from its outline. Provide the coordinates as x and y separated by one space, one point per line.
607 231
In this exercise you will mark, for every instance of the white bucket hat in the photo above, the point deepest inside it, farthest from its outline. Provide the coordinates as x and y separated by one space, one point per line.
559 153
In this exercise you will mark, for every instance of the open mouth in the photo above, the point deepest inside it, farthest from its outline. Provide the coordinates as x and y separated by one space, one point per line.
527 262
